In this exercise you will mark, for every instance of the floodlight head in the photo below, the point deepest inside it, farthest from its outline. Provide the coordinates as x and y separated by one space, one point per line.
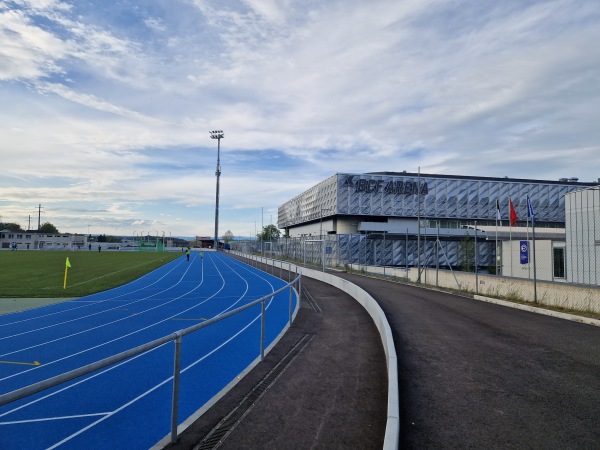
216 134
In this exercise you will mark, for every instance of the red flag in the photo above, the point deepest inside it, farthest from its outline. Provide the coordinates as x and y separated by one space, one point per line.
512 213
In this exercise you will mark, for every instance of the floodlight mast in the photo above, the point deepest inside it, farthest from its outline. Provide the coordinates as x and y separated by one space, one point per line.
218 135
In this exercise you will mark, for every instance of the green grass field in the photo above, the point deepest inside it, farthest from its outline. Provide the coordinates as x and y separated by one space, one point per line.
40 274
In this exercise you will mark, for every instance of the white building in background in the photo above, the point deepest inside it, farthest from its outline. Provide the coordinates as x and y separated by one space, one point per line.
516 251
582 219
35 240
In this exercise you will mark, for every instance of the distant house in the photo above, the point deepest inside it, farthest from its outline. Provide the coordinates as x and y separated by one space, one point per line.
206 242
39 240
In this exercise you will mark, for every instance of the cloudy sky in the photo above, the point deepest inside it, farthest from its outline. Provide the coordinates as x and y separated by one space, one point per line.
106 105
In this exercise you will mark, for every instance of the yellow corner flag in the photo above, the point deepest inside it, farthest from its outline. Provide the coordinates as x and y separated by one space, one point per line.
67 265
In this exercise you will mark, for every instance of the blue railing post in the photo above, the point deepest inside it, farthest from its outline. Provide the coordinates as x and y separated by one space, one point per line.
262 330
291 292
176 376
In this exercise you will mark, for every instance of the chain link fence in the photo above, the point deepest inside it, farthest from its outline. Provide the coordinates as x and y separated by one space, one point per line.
518 268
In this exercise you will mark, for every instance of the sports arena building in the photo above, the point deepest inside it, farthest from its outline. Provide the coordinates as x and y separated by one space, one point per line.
398 218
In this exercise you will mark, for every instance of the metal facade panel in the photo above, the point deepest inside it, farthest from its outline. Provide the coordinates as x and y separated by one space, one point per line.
318 201
583 236
442 197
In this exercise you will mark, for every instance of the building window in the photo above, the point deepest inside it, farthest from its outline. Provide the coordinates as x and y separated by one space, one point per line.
558 262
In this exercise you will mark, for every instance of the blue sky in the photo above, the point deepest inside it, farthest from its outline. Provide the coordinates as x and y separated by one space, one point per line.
106 106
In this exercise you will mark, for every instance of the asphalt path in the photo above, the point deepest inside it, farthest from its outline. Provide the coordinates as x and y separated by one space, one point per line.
332 395
478 375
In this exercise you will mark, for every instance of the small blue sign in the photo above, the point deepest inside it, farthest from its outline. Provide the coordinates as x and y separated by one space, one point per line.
524 249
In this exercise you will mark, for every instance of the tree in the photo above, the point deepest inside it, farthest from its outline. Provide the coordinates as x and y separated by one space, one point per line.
270 233
227 237
466 255
48 228
10 226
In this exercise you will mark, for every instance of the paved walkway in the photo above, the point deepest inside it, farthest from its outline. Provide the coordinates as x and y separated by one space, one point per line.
471 375
333 395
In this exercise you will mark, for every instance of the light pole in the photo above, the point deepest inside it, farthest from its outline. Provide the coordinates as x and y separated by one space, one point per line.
321 234
321 222
218 135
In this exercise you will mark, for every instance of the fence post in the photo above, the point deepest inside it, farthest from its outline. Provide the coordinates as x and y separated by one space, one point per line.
176 376
291 291
262 330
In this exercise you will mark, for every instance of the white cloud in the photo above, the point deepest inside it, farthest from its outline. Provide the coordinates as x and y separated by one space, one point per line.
111 107
26 51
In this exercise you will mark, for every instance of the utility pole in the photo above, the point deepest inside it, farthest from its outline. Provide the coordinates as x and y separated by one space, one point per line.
39 217
218 135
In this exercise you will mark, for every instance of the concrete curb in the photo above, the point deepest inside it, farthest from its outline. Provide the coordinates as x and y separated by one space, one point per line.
392 429
533 309
539 310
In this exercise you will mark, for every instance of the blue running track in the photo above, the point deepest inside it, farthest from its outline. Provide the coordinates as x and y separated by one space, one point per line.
128 405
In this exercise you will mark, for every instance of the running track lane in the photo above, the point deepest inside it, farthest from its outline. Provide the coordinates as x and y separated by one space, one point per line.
128 405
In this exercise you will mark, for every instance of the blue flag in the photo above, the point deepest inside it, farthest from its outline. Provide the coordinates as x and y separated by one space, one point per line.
530 211
524 251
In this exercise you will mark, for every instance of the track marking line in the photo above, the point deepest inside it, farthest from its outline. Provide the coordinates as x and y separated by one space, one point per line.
92 302
48 419
105 416
34 363
215 294
190 318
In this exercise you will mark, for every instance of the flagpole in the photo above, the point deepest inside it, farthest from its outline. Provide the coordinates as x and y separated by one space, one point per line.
498 217
531 213
511 253
419 225
534 272
67 265
497 271
528 263
510 223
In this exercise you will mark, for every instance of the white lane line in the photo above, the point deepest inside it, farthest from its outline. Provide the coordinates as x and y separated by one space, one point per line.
108 274
91 315
149 391
49 419
112 340
92 302
77 383
105 416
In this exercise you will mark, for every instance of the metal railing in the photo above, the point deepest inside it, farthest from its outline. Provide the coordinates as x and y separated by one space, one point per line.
175 337
553 268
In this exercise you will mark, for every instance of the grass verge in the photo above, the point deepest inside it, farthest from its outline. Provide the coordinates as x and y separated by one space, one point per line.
40 274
